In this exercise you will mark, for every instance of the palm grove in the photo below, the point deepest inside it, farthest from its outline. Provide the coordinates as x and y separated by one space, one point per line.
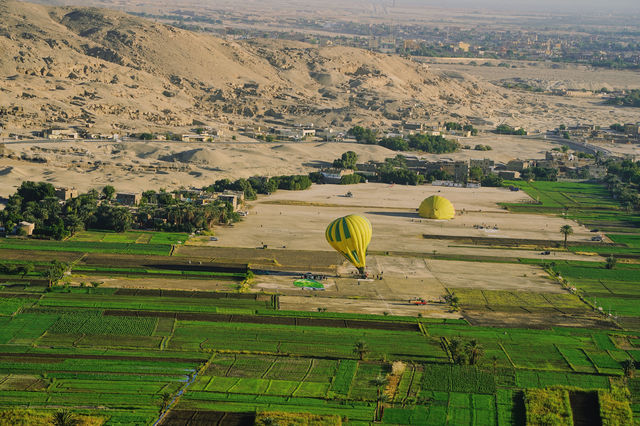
36 202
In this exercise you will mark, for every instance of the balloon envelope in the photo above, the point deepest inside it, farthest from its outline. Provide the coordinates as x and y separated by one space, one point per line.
436 207
350 236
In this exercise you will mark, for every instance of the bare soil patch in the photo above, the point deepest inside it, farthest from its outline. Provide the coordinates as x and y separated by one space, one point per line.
535 320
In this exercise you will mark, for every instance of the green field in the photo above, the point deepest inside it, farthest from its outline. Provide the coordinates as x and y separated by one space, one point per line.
61 349
123 354
614 290
130 237
566 194
130 242
588 203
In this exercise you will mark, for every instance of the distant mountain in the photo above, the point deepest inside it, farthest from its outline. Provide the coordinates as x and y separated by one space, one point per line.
105 69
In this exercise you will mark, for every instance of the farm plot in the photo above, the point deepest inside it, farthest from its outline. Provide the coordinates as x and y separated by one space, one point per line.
344 377
357 411
364 386
85 246
537 379
567 194
24 328
452 408
83 323
512 347
169 304
304 341
139 237
455 378
496 300
613 290
296 260
589 204
75 356
9 306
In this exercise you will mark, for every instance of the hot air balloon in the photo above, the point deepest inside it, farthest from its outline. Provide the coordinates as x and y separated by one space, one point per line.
436 207
350 236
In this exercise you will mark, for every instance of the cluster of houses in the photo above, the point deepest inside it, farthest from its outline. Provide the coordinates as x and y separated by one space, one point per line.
278 131
206 134
282 132
459 170
235 198
593 133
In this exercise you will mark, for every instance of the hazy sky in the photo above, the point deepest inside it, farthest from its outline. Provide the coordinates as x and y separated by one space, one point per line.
579 6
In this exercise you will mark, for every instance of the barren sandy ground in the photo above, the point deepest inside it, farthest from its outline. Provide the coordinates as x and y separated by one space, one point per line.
136 166
391 209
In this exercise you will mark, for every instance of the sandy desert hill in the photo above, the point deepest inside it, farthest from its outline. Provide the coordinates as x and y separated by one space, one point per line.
105 69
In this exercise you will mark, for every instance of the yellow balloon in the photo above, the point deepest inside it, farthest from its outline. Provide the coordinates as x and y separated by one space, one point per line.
350 236
436 207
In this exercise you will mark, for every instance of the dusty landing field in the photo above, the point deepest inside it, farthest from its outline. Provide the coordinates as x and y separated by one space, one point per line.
403 279
459 274
297 220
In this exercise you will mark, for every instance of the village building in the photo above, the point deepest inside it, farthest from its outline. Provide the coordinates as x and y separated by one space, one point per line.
65 194
486 165
518 165
60 134
235 198
129 198
27 227
509 174
335 175
632 130
194 137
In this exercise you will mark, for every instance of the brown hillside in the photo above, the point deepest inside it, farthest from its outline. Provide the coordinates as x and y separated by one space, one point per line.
105 69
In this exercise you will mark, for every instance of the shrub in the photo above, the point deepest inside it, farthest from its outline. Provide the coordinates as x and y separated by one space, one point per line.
271 418
548 406
351 179
614 407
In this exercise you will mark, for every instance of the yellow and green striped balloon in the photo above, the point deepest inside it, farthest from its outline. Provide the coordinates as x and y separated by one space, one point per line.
350 236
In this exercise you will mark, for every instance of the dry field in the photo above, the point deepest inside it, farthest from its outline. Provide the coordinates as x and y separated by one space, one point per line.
403 279
297 220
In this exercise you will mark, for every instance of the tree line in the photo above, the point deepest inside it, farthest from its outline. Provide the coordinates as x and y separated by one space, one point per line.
36 202
435 144
632 99
263 185
623 182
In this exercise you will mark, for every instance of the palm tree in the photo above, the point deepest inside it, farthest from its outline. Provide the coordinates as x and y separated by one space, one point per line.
628 367
566 230
64 418
474 351
361 349
166 400
379 381
457 354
